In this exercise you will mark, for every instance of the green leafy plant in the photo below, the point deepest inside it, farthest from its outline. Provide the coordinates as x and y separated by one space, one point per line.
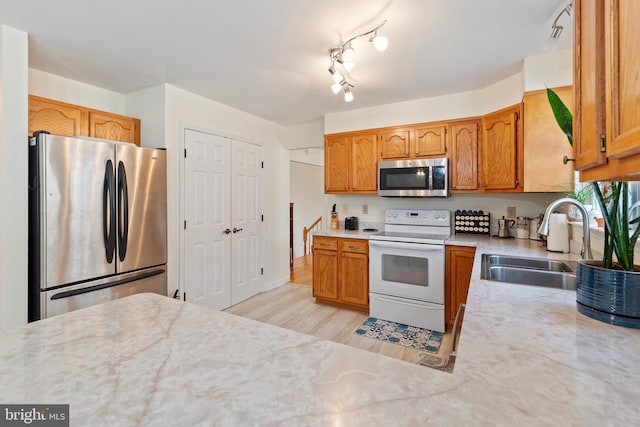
582 193
612 199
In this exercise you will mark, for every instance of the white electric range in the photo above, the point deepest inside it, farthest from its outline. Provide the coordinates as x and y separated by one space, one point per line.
406 268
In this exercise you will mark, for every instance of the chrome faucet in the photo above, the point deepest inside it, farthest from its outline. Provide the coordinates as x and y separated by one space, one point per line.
543 230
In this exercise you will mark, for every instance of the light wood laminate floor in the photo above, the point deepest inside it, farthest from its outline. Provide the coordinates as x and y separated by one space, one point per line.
293 307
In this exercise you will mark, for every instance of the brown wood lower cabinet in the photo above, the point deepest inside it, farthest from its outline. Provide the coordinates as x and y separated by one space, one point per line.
458 267
341 271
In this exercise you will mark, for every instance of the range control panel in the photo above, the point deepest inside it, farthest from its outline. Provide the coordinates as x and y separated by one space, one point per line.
418 217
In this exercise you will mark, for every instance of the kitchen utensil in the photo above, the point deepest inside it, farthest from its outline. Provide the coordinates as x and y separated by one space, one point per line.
522 227
534 223
503 227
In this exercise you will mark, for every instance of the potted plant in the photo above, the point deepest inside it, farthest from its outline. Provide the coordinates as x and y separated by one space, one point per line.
607 289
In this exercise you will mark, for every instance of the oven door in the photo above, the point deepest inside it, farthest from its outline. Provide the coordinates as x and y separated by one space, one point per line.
407 270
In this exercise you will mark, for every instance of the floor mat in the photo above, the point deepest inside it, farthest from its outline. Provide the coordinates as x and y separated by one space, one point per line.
397 333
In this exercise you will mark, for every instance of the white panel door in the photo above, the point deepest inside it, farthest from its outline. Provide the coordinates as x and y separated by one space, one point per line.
207 174
247 225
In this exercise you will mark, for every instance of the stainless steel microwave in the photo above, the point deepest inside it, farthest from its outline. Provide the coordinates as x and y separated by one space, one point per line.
414 178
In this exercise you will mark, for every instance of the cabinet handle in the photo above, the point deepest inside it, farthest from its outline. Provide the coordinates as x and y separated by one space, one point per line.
484 185
517 182
453 186
346 188
333 255
236 230
354 247
353 187
323 244
342 255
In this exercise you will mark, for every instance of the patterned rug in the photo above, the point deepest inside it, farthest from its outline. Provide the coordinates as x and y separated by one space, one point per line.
397 333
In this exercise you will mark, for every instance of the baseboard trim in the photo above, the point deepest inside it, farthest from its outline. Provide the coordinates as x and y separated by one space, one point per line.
276 283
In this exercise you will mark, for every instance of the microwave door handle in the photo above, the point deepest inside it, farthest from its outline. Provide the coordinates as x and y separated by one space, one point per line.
402 245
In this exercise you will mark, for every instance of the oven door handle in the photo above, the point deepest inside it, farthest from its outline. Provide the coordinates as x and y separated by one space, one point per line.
402 245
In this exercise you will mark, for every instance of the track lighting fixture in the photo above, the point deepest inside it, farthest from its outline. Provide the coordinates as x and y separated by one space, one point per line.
556 29
344 55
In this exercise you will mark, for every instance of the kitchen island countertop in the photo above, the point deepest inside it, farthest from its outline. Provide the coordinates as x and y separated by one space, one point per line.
526 357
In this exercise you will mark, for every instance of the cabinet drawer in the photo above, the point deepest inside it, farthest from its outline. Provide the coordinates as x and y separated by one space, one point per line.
359 246
321 242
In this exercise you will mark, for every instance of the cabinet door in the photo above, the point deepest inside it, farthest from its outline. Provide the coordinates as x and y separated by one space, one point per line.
499 151
56 117
430 141
589 84
459 260
395 144
354 278
623 81
545 144
114 127
336 164
464 155
364 163
325 274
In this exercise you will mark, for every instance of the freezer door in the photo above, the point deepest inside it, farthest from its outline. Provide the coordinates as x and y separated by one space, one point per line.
77 190
142 207
69 298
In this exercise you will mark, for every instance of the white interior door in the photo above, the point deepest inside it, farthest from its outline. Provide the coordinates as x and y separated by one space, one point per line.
246 268
207 174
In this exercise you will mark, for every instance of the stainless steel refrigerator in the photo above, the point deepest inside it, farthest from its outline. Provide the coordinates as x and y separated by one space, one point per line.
97 222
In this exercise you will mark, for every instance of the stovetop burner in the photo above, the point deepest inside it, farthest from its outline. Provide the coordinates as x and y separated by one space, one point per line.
415 226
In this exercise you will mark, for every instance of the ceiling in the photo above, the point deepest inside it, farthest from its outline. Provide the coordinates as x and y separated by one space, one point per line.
270 58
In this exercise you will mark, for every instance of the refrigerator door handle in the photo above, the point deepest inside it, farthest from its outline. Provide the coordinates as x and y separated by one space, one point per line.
109 212
123 214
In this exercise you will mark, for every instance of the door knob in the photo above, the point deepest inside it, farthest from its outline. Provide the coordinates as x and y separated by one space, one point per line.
236 230
227 231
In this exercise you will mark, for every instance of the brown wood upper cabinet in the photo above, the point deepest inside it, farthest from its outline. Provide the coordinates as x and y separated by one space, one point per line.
501 150
61 118
430 140
463 164
395 144
350 163
545 145
414 142
606 124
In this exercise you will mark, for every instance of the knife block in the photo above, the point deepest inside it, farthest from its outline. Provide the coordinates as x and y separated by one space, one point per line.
334 221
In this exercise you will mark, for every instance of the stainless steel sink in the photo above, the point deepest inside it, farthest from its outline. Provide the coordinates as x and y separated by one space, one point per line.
529 271
530 263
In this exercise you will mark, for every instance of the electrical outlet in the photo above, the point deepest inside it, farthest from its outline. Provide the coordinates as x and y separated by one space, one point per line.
365 209
345 208
511 211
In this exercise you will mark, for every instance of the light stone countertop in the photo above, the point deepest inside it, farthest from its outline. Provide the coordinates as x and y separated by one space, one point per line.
526 357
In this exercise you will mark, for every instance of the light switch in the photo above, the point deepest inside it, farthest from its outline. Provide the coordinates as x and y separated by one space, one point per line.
365 209
345 208
511 211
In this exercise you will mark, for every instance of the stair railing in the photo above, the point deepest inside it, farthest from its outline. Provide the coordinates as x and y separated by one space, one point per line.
316 225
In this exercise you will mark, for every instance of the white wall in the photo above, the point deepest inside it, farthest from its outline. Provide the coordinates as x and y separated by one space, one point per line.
188 109
62 89
13 176
309 200
309 134
311 156
149 106
548 70
453 106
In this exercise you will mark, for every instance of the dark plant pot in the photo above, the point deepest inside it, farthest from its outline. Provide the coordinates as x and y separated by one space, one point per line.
608 295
